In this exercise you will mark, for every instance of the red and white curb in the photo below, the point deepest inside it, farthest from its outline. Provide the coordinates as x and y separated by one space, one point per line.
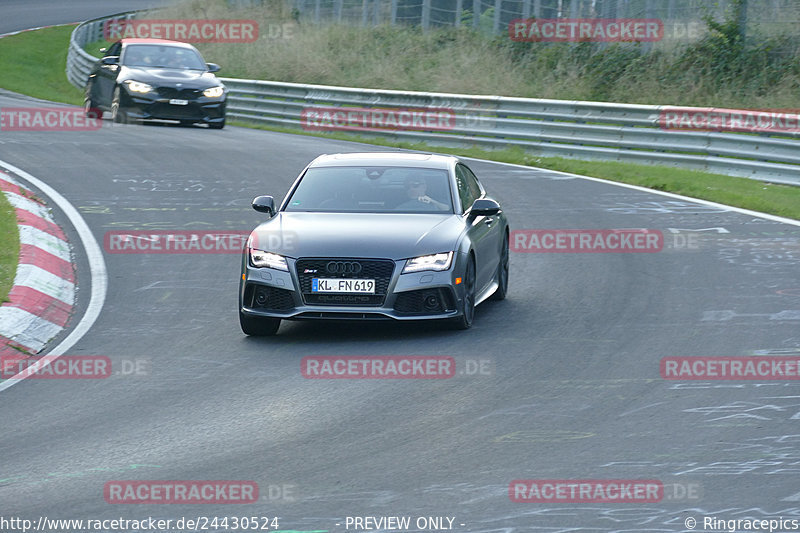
43 295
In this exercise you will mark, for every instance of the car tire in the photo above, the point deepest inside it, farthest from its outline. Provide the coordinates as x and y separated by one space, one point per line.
257 326
502 273
118 113
90 109
217 125
464 321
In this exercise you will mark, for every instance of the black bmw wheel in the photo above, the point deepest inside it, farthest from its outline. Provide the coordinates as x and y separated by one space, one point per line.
258 326
90 109
502 273
118 113
468 303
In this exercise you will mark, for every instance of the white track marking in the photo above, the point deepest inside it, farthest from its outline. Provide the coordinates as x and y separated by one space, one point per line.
651 191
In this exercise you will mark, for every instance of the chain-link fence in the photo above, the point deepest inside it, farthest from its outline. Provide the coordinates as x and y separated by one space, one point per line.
681 19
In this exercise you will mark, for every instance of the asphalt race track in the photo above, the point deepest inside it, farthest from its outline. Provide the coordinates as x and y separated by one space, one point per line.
560 381
23 14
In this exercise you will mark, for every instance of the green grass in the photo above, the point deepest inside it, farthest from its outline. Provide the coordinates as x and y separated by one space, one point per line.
34 63
97 48
781 200
9 247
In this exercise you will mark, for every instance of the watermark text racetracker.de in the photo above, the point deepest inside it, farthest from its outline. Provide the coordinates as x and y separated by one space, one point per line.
185 30
586 241
195 242
394 367
72 367
586 30
775 121
731 368
359 119
586 491
395 118
377 367
180 492
49 119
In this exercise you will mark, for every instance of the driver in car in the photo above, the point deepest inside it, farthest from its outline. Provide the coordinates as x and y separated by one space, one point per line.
137 56
416 190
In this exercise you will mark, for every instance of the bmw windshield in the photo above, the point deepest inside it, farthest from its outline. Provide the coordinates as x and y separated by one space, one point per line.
162 56
372 189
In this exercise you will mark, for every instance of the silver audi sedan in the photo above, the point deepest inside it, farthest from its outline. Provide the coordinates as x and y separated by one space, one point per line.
366 236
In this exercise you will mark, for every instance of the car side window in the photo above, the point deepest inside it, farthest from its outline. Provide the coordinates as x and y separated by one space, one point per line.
465 192
472 182
113 50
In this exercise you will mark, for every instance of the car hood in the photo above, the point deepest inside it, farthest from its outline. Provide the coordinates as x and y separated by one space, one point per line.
385 235
191 79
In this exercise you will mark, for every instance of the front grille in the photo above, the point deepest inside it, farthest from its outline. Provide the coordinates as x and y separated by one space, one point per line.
181 94
378 269
268 298
425 302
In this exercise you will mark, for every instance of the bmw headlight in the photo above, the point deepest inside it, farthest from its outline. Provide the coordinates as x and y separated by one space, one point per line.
138 87
260 258
436 262
213 92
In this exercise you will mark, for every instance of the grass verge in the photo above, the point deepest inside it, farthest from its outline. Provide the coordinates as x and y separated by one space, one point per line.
34 63
9 247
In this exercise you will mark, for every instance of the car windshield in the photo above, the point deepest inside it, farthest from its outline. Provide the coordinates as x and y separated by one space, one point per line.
161 56
373 190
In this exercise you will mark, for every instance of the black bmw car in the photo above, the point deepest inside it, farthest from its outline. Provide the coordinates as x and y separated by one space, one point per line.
375 236
147 79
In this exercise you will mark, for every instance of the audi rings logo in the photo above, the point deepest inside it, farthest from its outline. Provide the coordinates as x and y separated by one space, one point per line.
343 267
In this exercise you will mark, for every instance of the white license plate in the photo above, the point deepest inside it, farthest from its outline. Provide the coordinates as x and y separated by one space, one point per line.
366 286
176 101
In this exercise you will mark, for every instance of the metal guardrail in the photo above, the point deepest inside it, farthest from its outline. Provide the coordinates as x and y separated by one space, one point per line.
574 129
80 62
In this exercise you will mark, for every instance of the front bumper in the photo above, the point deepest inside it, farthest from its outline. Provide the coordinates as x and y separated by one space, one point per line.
425 295
156 106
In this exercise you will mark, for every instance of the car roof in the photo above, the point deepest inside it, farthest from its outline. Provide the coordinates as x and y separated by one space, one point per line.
163 42
385 159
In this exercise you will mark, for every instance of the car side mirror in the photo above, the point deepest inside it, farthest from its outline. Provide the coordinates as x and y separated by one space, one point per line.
213 67
484 207
264 204
110 60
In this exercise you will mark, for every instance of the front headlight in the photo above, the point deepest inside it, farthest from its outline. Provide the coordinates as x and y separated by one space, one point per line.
260 258
138 87
213 92
436 262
